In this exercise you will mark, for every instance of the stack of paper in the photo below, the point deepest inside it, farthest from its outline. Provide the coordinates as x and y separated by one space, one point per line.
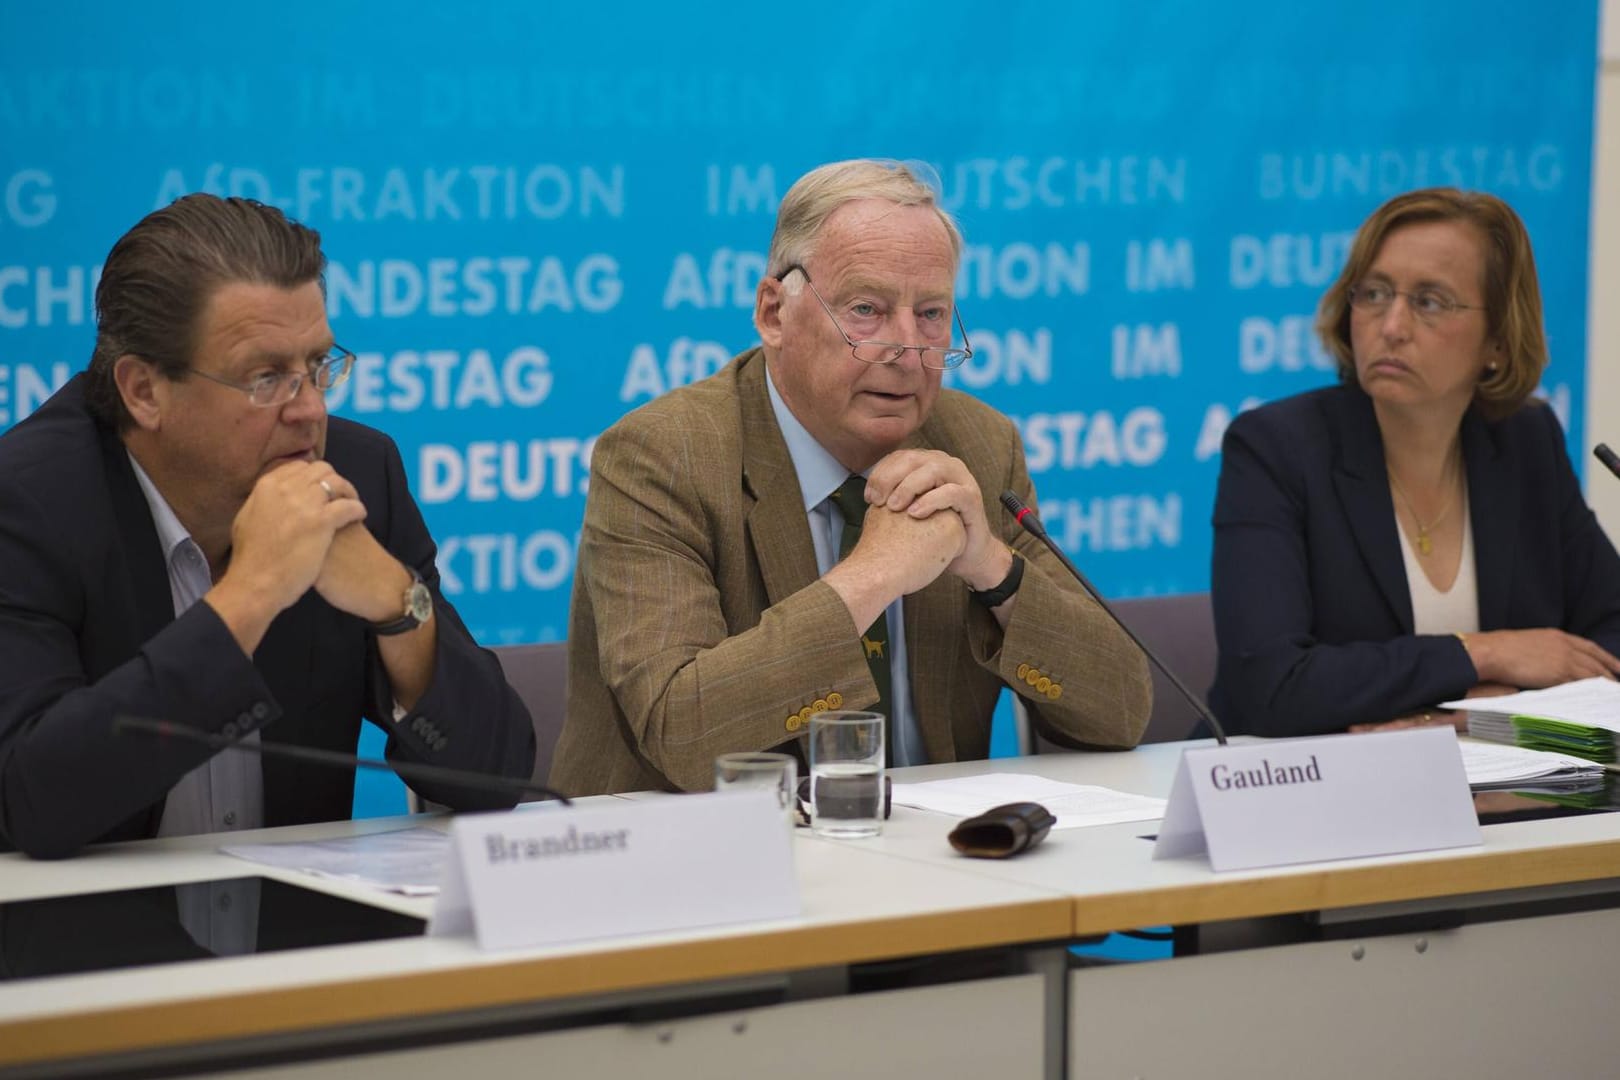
1074 805
1579 718
1506 767
407 861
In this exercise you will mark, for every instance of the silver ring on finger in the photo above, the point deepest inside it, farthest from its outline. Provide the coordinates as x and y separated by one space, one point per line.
330 494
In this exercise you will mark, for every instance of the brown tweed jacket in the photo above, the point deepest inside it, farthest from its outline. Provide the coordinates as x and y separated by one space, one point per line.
699 625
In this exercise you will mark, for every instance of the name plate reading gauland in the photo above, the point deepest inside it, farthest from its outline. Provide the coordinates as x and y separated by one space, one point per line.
554 874
1331 797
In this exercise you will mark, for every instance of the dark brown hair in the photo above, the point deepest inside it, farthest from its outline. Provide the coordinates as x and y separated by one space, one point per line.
161 274
1512 296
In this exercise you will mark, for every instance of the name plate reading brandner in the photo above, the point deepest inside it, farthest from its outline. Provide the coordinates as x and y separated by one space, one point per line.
553 874
1287 801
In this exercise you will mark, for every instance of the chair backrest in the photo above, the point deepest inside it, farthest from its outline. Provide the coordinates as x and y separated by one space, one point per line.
1181 629
539 674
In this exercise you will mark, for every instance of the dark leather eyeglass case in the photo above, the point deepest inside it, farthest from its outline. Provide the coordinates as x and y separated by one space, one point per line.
1003 831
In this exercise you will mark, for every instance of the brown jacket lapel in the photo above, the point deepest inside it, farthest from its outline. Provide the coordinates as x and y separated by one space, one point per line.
777 527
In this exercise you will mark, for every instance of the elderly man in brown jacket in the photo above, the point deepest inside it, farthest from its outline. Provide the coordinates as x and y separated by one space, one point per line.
817 527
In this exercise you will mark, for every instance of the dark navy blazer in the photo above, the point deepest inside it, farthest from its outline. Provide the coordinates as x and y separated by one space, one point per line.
88 632
1313 615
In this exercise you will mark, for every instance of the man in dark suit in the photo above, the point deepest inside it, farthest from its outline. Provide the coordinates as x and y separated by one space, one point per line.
816 527
184 534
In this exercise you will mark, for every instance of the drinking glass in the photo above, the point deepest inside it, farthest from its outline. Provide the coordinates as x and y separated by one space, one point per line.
846 774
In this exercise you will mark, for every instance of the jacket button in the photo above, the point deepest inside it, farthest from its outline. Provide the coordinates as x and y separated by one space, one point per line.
1054 692
1043 684
835 700
819 705
804 714
1023 671
260 710
1032 676
794 723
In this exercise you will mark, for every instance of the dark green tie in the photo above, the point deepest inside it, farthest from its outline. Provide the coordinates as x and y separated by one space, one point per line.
850 498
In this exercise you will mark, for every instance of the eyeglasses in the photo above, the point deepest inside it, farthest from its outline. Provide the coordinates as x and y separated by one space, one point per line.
1429 305
279 387
938 357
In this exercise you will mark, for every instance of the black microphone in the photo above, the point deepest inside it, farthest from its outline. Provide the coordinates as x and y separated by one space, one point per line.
1025 516
406 770
1610 459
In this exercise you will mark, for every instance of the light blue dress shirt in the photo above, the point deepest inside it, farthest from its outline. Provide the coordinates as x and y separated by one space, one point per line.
820 475
224 793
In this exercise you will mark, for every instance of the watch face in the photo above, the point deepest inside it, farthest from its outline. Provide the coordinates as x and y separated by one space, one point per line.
419 602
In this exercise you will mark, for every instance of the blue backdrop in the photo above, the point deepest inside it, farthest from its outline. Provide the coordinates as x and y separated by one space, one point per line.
541 218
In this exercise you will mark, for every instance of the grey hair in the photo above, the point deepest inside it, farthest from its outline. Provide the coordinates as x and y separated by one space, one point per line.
816 195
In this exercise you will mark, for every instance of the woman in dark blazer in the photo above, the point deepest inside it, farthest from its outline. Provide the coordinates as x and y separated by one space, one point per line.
1415 534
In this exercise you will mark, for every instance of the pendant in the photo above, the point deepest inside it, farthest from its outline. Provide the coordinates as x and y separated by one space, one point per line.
1424 544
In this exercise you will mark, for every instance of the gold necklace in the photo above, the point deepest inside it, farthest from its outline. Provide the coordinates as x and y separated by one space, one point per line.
1425 545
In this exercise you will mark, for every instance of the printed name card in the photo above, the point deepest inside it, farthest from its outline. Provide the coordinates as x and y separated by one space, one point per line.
1329 797
556 874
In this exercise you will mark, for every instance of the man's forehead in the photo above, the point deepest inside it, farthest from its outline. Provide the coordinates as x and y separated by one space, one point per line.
301 307
254 321
876 243
893 283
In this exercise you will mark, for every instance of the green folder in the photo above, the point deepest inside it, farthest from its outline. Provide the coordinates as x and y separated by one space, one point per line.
1563 737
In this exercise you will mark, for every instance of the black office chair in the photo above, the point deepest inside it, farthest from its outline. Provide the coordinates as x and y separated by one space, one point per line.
1181 629
539 674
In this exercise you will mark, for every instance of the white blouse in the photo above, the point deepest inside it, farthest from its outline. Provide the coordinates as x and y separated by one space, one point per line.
1455 611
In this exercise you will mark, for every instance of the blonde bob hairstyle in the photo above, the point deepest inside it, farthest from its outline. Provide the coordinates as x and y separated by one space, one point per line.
815 196
1512 297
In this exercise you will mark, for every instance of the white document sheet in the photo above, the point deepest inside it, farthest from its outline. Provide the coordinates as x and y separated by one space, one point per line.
1490 765
1074 805
1594 702
409 861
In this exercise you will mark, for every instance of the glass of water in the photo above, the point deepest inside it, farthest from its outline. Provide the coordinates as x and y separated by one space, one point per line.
749 768
846 774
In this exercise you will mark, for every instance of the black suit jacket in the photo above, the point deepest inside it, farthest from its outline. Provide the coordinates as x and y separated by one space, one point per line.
1313 615
88 632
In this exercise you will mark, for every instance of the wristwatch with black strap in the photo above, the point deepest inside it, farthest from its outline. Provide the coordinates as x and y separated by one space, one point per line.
417 605
998 595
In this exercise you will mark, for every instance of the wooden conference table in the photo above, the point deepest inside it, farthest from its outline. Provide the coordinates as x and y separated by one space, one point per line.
1493 960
